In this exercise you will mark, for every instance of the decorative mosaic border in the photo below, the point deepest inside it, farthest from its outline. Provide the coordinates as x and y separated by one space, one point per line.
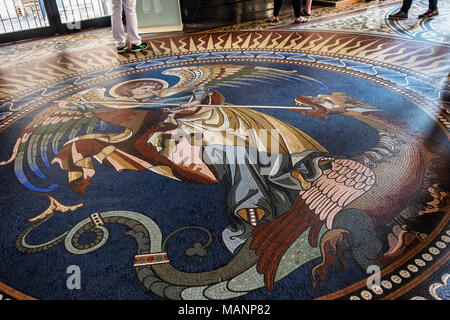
394 78
416 265
418 268
375 21
32 77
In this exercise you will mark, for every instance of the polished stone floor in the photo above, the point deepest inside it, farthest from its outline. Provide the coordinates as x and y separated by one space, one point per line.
122 188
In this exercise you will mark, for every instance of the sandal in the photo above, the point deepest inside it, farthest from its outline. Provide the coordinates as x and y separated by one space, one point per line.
306 14
300 20
273 19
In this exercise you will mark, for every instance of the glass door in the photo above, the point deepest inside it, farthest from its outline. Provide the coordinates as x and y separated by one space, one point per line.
74 13
25 19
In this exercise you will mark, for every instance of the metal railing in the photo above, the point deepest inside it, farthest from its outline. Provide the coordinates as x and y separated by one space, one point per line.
18 15
79 10
21 15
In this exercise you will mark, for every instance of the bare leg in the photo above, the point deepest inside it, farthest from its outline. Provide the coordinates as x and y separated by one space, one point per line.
308 6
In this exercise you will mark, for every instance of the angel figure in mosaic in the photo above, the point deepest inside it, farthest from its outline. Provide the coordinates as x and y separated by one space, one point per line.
185 132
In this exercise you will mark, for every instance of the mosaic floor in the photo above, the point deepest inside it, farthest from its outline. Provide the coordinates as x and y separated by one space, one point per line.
257 161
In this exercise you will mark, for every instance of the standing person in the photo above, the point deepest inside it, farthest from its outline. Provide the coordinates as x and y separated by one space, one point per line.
403 12
296 4
307 11
129 6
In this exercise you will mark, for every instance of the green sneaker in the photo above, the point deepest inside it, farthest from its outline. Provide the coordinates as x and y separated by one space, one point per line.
398 15
429 14
137 48
122 49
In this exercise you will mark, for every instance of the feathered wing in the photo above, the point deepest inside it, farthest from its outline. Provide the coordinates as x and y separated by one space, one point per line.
46 133
218 75
336 188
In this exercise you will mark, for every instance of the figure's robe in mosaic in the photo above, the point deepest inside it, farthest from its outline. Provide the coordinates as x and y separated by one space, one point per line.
249 153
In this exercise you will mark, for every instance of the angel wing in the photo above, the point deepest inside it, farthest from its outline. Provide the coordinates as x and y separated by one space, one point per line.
337 187
44 134
234 76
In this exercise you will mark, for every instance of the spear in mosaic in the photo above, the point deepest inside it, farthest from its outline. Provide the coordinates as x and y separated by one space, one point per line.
155 105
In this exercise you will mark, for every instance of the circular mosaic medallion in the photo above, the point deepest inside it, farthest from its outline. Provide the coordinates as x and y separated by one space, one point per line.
227 166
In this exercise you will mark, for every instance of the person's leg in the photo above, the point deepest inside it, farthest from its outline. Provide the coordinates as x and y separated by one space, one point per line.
308 7
406 6
117 25
277 7
432 10
432 5
403 12
297 4
276 10
129 6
